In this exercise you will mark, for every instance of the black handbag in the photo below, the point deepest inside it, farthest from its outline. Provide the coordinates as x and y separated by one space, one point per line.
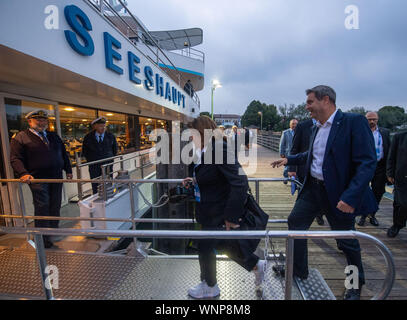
254 218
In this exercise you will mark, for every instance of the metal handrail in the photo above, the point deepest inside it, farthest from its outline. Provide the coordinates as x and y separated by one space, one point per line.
79 165
137 220
140 153
289 235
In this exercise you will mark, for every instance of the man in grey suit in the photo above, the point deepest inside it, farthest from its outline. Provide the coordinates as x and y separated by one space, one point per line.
286 143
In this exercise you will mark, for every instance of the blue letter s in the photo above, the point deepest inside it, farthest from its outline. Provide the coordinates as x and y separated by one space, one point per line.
73 15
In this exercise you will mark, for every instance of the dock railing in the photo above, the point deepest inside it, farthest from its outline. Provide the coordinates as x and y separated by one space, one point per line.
290 236
269 141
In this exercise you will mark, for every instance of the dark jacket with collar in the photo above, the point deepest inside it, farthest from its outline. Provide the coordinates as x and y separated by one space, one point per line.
385 133
397 166
223 186
30 155
301 141
349 163
92 150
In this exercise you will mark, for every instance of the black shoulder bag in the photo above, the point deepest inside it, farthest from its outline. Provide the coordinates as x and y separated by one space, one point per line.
254 218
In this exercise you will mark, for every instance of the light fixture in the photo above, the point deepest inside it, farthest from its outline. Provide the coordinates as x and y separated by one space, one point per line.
69 109
109 114
84 120
215 84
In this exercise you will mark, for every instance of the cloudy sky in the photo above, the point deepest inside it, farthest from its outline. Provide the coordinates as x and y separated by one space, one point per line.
272 50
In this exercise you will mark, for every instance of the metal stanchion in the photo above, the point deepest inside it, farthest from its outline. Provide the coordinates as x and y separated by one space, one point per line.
121 164
133 213
257 186
42 264
79 175
104 183
22 205
289 268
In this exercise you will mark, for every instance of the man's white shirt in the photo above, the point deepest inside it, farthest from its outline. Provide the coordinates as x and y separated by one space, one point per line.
376 135
319 147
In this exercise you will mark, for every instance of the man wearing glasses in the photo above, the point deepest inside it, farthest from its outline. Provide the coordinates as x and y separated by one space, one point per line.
382 145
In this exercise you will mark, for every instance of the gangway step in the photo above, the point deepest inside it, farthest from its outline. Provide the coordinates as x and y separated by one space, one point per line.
94 276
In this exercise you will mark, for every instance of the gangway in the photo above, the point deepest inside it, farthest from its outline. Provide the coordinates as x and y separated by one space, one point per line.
23 274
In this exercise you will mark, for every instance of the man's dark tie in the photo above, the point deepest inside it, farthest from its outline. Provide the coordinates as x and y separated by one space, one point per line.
43 137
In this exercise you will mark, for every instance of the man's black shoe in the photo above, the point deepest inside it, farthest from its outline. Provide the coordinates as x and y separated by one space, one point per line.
320 220
352 294
373 221
362 221
393 231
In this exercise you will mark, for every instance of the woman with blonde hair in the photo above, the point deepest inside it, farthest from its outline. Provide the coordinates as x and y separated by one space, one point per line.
220 191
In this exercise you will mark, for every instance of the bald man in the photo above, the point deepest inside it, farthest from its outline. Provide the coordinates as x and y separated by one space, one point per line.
382 144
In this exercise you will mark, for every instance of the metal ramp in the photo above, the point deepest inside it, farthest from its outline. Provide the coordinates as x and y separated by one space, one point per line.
92 276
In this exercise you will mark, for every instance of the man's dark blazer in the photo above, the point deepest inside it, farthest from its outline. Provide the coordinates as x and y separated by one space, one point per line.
92 150
30 155
223 190
349 163
301 140
386 143
397 167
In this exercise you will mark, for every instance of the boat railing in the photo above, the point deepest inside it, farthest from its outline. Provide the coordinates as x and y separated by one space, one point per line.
138 157
290 236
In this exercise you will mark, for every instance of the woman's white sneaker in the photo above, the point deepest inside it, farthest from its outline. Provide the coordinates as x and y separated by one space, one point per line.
259 272
202 291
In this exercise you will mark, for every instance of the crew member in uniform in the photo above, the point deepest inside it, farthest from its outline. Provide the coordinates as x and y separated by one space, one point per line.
99 144
36 153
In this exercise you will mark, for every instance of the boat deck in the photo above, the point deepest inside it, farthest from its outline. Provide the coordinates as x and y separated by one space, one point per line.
97 276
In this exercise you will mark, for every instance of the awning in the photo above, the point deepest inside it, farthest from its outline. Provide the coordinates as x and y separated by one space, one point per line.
178 39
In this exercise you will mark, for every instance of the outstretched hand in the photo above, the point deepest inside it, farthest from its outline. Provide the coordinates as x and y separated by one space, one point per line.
279 163
231 225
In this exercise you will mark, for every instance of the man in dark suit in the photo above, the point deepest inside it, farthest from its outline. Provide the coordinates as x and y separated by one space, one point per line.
301 140
382 145
36 153
286 141
99 144
397 175
340 163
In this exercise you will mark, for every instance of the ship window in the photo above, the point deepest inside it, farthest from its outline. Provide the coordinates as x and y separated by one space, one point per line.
75 124
17 109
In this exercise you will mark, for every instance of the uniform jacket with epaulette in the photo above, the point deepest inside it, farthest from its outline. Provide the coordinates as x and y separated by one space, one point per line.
30 155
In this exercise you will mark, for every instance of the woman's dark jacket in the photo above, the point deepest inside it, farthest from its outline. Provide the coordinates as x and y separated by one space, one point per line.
223 186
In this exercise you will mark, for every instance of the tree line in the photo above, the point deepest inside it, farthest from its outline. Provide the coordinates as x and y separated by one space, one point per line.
278 118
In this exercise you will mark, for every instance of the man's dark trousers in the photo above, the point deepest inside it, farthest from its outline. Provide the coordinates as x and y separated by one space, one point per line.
309 204
47 199
379 180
